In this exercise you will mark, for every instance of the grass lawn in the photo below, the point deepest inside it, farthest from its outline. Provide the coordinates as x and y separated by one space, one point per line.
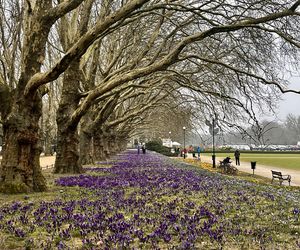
287 161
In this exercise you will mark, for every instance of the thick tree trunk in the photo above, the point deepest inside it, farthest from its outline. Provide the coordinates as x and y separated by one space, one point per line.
20 167
112 144
106 148
122 143
48 150
48 147
67 154
86 141
99 154
86 148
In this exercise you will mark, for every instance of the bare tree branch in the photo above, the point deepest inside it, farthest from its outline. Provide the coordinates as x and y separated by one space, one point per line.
78 49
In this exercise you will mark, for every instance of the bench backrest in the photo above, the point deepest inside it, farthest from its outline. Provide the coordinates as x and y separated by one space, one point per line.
276 173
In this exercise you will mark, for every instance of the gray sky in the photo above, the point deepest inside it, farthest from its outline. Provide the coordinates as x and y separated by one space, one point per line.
290 102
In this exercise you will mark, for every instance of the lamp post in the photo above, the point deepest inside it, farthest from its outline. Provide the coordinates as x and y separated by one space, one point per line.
214 152
170 139
213 130
184 151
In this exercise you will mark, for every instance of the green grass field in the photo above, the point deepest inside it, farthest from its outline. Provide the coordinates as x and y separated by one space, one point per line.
287 161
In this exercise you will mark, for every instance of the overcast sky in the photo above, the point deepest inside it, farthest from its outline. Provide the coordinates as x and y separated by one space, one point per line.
290 102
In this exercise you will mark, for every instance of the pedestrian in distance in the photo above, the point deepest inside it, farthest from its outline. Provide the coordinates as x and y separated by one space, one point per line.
138 148
198 151
237 157
144 148
184 151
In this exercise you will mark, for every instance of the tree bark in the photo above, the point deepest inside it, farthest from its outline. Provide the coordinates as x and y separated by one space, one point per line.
112 144
106 147
86 148
122 143
99 153
86 142
67 155
20 167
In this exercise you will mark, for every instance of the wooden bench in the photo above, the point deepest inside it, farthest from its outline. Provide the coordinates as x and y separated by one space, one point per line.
280 177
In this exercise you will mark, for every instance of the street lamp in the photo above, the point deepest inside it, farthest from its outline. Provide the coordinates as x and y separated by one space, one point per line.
213 135
184 142
213 130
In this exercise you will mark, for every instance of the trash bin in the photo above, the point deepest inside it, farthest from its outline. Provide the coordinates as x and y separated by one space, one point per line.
213 157
253 166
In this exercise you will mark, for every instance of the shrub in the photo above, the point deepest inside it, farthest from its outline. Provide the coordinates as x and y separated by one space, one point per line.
159 148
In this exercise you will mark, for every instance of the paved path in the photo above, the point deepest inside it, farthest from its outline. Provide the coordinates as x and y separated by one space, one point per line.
45 161
262 170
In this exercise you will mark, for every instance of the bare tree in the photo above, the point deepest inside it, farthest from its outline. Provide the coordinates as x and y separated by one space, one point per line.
71 28
20 170
293 127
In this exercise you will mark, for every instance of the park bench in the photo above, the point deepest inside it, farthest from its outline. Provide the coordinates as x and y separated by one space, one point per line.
280 177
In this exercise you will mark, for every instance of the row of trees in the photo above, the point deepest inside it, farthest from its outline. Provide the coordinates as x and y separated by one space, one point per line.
262 135
96 72
271 133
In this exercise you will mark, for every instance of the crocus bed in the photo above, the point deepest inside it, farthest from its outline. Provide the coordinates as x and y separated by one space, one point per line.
149 201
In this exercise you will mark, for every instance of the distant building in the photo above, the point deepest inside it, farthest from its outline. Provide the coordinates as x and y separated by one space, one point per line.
238 146
167 143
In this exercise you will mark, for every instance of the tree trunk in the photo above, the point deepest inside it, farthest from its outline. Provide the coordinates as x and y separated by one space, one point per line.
48 145
86 148
20 167
67 154
48 126
106 148
99 154
86 140
112 144
122 143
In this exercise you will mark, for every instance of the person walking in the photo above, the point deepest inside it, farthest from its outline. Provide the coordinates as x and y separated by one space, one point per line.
198 151
138 148
144 148
237 157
